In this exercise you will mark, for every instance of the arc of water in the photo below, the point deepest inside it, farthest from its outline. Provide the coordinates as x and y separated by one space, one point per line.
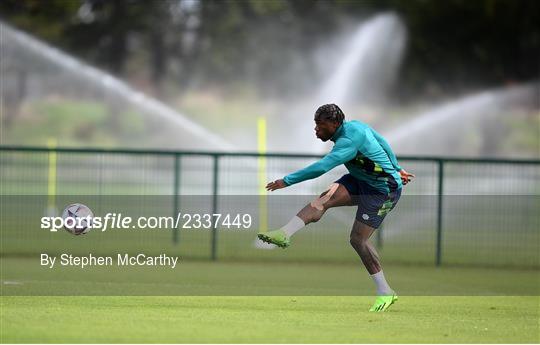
113 85
372 52
467 107
375 49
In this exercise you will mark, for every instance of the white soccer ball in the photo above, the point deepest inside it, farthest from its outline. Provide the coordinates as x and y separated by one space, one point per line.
77 219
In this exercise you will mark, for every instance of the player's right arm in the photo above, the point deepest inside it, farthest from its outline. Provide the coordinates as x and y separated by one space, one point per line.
343 151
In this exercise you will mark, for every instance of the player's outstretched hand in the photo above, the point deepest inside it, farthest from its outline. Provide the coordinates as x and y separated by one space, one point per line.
277 184
405 176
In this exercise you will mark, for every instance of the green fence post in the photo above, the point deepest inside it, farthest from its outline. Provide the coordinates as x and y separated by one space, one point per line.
214 205
176 185
438 249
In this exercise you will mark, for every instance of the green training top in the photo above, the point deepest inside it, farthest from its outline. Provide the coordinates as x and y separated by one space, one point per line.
365 153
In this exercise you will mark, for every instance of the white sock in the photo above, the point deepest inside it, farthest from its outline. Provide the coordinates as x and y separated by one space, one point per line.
293 226
382 286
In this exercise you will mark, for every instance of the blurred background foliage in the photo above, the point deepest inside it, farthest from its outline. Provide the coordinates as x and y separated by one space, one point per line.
222 64
171 46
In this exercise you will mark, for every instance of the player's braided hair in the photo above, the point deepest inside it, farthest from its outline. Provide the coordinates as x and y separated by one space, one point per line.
330 112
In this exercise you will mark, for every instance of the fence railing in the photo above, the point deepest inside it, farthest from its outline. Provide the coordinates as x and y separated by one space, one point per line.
443 185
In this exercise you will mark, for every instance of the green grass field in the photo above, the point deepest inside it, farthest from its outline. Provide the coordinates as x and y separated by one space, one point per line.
317 291
235 302
275 319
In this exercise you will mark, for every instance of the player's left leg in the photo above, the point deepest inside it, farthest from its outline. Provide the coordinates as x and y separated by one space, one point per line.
359 240
336 195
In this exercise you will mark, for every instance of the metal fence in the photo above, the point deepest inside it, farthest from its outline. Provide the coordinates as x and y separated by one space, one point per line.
457 211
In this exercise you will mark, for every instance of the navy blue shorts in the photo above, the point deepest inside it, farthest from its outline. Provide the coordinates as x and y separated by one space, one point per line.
373 205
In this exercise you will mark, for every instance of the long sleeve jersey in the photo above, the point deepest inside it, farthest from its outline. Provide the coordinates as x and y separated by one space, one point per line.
365 153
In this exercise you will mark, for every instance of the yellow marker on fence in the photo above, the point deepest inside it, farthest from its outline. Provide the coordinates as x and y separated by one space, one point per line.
51 181
261 148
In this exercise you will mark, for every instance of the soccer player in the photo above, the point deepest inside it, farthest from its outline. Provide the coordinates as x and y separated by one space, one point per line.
374 184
